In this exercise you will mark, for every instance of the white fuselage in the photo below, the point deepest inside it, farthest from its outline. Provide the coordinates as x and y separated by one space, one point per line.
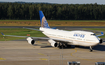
82 38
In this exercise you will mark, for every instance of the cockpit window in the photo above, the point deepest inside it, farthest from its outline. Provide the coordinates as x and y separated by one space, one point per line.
93 34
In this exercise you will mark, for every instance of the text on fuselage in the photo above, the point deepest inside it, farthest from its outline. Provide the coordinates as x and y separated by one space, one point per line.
79 35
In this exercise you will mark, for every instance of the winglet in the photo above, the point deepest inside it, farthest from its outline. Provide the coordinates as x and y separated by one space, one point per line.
102 33
2 34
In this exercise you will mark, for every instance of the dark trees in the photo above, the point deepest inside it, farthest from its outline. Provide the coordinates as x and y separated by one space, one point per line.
29 11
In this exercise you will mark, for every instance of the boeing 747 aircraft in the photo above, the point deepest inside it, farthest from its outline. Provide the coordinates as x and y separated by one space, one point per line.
62 38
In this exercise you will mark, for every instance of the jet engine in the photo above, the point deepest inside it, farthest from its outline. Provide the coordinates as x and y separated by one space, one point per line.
30 40
101 41
53 43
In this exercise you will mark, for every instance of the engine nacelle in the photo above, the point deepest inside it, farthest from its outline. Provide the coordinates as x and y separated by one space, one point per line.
53 43
101 41
30 40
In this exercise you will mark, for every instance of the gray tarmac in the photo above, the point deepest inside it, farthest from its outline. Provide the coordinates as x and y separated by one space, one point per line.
19 52
22 53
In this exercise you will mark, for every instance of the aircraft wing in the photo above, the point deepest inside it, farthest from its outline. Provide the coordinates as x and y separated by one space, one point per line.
14 35
101 34
39 38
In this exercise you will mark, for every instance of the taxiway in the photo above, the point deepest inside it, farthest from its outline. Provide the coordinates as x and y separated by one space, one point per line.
22 53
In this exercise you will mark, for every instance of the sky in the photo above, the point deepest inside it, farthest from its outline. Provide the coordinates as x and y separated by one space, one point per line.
61 1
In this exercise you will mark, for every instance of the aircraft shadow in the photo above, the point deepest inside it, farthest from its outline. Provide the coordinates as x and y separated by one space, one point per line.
43 46
98 47
69 47
46 46
59 48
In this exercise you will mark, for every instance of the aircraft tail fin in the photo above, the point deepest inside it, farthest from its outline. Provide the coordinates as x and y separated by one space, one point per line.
43 20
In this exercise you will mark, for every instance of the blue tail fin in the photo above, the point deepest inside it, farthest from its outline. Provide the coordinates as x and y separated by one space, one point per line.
43 20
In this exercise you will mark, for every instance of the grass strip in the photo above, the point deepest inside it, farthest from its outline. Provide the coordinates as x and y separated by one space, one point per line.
33 33
53 22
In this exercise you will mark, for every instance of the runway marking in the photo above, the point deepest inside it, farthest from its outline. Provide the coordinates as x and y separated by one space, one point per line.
41 54
75 51
42 58
2 59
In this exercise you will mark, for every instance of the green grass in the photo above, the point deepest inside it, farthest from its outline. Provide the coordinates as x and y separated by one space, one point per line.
20 32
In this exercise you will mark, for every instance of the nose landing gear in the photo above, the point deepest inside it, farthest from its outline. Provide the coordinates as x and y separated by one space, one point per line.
91 49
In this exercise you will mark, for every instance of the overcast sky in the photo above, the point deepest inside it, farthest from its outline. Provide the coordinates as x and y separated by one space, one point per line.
61 1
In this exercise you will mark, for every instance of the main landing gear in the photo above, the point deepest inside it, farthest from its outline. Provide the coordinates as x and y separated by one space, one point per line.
91 49
62 45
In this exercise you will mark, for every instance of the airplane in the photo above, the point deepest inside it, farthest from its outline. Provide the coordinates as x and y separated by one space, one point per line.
62 38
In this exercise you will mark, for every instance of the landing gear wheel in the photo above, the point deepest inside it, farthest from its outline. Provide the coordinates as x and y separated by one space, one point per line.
60 46
91 50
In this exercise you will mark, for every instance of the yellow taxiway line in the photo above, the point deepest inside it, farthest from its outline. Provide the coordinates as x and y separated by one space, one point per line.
42 58
75 51
2 59
41 54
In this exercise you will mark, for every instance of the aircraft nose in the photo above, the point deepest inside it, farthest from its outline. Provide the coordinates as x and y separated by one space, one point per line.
97 41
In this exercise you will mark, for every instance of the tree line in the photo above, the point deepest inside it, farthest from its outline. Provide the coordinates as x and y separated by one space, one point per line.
29 11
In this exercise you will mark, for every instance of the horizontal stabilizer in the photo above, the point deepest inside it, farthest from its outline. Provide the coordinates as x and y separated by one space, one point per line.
32 29
54 28
2 34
